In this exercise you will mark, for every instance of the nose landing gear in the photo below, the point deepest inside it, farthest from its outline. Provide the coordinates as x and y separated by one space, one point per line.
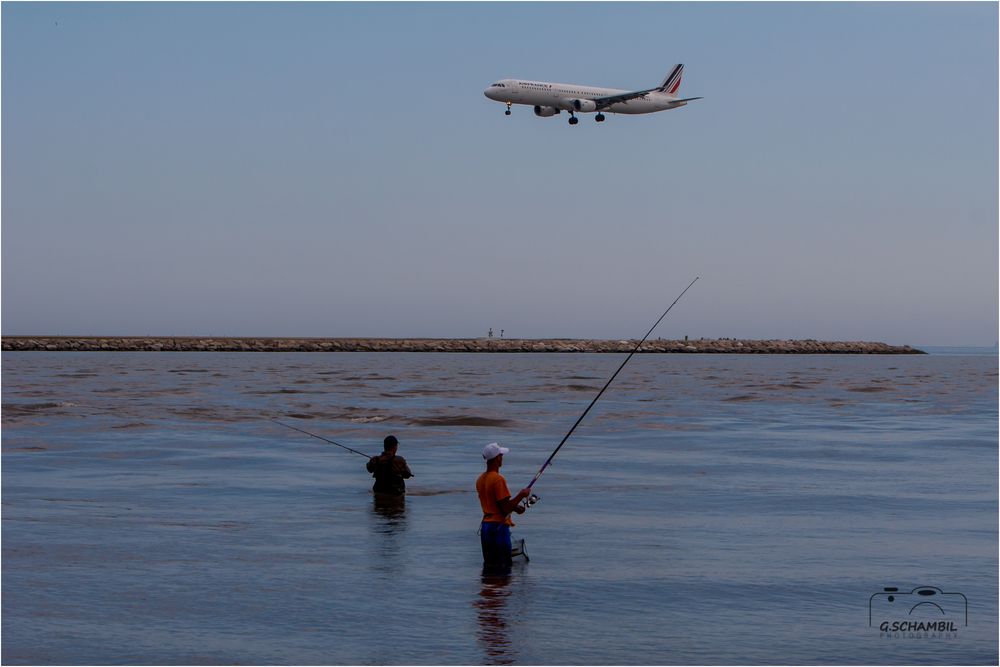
507 112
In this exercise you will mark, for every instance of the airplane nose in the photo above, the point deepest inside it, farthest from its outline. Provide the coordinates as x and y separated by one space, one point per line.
487 93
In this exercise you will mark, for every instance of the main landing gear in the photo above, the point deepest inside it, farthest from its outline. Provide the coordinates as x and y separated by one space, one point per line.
573 120
507 112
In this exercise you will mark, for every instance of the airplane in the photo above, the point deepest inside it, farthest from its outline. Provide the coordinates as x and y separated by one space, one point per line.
550 99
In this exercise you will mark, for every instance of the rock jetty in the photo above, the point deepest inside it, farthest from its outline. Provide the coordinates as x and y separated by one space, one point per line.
199 344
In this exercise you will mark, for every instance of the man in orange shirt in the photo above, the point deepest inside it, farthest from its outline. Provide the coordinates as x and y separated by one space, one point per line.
497 507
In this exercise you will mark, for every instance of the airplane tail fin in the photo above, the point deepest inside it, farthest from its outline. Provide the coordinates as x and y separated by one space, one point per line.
673 80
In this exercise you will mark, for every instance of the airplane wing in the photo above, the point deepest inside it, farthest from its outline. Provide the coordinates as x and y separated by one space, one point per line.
605 102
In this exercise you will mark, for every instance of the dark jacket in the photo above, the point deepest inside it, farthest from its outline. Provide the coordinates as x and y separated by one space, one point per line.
389 473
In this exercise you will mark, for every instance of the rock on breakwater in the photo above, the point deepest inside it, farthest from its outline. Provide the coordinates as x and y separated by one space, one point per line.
200 344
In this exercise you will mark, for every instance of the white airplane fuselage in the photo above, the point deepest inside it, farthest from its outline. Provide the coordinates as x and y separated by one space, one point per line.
563 96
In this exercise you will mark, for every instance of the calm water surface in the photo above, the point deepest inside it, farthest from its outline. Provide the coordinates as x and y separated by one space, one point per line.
711 509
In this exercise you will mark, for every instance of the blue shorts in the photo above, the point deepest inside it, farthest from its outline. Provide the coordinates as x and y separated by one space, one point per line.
495 540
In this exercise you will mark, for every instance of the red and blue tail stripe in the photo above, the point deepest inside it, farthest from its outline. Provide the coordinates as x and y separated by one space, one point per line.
673 81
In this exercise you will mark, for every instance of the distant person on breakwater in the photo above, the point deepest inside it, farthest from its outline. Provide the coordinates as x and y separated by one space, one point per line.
389 470
494 498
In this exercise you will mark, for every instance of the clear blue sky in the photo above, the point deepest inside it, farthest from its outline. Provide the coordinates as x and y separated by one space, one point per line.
335 170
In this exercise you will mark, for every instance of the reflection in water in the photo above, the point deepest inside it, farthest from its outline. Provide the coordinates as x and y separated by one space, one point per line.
393 510
492 615
389 524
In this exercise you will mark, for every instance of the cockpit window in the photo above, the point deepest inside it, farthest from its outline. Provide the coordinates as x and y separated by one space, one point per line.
498 85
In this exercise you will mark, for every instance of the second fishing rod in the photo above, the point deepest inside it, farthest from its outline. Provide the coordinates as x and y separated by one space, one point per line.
295 428
532 499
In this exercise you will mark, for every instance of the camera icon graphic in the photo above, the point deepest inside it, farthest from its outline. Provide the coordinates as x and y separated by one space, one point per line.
923 603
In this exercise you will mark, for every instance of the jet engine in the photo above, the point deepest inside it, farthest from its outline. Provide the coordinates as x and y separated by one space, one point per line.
545 112
584 105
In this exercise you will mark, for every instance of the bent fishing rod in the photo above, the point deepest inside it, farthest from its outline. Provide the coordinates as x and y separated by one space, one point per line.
532 499
320 437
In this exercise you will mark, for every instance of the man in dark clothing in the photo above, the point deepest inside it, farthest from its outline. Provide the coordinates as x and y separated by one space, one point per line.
389 470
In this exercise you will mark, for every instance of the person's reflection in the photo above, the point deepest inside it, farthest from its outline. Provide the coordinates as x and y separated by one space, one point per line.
491 612
388 520
392 509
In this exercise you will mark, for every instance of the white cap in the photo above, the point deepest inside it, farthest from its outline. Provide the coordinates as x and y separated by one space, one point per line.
493 450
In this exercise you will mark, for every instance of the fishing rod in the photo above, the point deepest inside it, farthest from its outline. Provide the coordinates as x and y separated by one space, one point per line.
320 437
532 499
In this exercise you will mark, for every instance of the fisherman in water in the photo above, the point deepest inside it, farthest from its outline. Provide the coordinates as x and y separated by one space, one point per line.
497 507
389 470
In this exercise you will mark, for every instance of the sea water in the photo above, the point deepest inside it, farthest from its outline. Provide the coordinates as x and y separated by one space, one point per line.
710 509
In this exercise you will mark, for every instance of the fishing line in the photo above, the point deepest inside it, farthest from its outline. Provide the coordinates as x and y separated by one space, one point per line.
320 437
532 499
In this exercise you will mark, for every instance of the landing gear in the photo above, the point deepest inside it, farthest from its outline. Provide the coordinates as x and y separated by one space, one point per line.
507 112
573 120
599 118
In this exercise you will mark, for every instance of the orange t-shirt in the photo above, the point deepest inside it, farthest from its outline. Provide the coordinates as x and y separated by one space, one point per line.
491 487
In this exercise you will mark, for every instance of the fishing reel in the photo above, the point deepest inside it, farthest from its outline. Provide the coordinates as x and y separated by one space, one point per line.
529 501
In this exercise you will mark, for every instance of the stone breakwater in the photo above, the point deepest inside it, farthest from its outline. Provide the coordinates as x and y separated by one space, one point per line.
199 344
